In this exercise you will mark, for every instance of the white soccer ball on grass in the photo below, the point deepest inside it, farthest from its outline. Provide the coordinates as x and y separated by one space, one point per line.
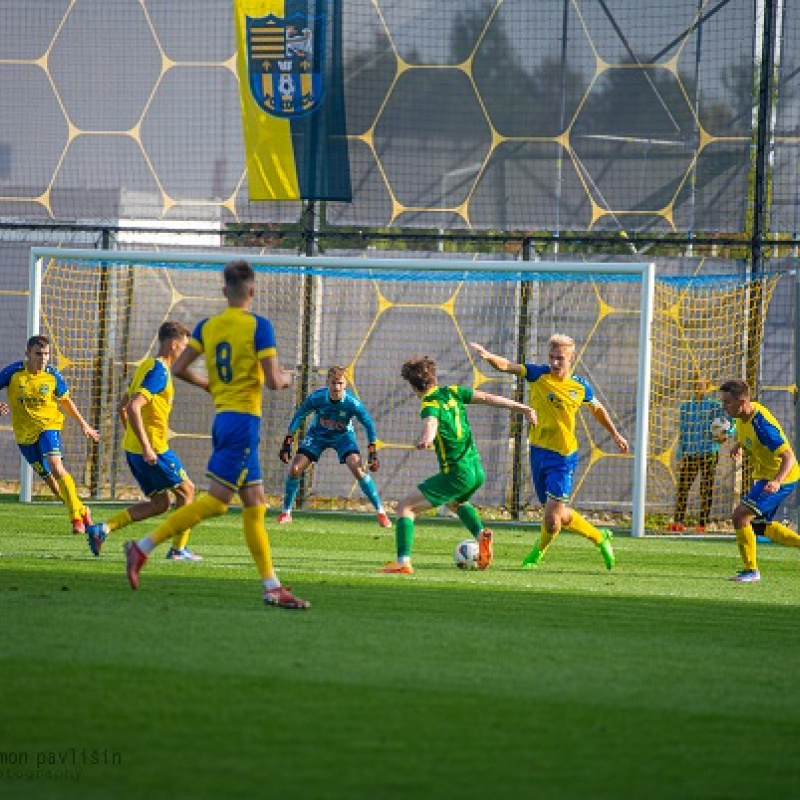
465 555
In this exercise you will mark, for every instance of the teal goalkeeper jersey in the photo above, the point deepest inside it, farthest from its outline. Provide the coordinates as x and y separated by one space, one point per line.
454 443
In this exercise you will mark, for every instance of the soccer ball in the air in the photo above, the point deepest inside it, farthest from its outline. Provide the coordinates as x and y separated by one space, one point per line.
465 555
720 428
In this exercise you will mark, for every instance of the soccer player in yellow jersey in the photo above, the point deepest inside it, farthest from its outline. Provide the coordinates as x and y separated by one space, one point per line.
240 357
37 396
556 395
144 411
775 473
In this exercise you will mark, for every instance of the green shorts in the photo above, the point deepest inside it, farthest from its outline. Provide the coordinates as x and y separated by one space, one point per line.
458 485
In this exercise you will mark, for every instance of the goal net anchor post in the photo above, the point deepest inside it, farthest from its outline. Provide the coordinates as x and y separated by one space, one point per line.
34 314
641 443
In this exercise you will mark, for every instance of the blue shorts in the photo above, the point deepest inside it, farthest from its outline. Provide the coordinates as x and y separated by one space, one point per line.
48 444
764 504
166 473
315 444
234 460
552 474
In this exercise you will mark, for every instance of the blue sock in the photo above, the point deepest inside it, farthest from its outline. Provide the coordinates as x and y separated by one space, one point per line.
368 487
292 487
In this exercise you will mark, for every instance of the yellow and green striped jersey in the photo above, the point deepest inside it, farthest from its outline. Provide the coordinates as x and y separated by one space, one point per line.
454 442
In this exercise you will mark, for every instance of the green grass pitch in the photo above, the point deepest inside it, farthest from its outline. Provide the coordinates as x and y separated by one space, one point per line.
659 679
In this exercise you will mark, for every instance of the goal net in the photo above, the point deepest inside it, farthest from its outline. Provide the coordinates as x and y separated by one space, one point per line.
102 311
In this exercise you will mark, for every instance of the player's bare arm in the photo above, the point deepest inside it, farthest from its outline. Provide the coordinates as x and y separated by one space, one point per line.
429 428
787 462
134 411
498 401
180 369
602 416
275 376
500 363
69 408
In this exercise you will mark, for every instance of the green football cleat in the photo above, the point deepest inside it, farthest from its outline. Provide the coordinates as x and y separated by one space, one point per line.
605 548
533 558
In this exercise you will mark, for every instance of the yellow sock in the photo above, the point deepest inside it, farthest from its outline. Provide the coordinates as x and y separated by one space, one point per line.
187 517
255 534
780 533
585 528
746 541
180 540
545 538
69 495
119 521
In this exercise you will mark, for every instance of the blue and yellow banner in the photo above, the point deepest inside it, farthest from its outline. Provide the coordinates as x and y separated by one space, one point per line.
292 88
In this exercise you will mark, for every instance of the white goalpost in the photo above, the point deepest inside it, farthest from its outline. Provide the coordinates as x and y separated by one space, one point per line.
101 310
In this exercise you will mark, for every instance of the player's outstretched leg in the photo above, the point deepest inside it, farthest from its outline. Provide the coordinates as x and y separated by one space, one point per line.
255 534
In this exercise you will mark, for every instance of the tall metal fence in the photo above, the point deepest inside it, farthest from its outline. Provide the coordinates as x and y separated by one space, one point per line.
575 129
484 115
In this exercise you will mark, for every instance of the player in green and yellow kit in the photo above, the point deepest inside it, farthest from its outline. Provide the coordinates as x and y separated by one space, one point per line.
775 472
446 428
37 396
556 395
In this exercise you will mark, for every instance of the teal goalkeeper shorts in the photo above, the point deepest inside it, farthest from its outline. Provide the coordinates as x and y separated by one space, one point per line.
457 486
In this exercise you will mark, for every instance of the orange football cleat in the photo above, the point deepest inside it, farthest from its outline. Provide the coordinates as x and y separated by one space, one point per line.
396 568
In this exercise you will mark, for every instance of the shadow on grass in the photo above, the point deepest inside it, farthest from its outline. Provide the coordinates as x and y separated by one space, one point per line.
390 689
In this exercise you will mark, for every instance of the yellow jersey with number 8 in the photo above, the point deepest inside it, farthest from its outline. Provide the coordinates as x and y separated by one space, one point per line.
233 343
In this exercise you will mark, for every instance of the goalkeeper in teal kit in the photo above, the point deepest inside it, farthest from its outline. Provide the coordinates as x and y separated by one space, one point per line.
334 408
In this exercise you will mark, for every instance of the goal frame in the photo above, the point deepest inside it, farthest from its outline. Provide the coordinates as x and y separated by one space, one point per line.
643 271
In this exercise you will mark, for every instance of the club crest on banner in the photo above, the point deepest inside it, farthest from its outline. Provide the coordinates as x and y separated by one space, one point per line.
284 62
